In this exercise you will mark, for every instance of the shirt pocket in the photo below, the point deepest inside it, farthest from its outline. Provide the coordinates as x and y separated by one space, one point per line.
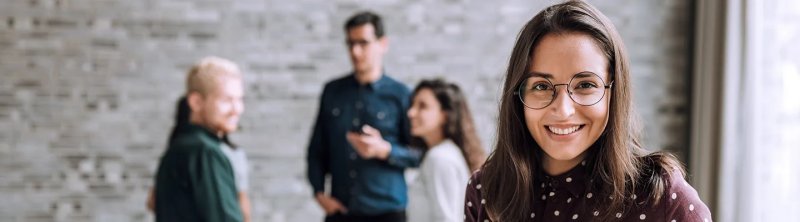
340 118
385 117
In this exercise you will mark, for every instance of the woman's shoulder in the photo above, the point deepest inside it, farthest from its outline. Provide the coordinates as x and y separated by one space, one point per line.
663 170
474 182
475 202
679 200
473 189
445 160
445 151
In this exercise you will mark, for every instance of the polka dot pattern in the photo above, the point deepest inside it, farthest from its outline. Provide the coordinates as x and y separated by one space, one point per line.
566 198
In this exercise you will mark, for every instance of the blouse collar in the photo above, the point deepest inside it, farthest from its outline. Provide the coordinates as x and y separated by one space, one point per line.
573 181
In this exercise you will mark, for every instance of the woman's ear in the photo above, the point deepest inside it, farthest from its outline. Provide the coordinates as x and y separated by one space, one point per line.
448 124
445 117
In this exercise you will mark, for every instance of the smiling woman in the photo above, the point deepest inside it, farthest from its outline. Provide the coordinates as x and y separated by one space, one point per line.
563 130
572 152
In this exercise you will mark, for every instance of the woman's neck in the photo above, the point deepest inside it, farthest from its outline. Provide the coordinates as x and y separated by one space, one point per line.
433 140
555 167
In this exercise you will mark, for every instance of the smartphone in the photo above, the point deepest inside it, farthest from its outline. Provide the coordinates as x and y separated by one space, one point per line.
357 129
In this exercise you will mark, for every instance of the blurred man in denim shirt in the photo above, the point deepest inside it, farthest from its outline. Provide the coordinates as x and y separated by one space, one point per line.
361 134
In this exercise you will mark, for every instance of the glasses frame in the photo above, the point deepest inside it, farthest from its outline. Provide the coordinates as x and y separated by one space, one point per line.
555 91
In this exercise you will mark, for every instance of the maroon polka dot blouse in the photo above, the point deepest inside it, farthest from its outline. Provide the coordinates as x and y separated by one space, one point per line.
566 198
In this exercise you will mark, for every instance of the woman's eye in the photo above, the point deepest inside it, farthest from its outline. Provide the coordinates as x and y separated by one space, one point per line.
586 85
541 86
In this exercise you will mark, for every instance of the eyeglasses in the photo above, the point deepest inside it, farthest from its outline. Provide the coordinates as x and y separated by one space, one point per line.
585 88
360 43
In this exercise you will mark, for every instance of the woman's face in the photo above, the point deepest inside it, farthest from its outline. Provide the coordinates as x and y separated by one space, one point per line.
565 129
426 115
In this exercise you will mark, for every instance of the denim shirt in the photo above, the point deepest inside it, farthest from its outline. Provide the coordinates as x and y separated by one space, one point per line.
364 186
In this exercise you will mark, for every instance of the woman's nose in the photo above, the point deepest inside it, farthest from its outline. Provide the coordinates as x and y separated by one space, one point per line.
563 106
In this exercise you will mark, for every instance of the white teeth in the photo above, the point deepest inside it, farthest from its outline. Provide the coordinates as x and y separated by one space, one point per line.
560 131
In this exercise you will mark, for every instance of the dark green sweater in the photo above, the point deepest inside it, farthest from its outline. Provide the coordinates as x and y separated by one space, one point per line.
195 180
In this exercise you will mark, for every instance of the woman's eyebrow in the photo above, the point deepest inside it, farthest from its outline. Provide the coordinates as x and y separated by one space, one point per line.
540 74
581 74
584 74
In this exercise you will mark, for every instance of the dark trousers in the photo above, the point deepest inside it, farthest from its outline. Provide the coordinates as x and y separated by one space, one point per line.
387 217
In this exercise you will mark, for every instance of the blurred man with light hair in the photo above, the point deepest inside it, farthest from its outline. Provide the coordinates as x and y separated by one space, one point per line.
195 180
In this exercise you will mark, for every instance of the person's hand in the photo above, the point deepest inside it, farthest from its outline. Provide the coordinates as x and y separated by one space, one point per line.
330 205
370 144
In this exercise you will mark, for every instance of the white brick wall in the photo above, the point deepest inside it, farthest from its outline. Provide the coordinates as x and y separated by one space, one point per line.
87 87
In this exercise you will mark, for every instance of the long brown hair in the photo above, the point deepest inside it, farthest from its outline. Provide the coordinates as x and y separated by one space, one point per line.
618 165
458 126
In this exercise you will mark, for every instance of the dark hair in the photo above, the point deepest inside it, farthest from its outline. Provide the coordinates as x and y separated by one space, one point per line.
363 18
618 165
182 112
458 126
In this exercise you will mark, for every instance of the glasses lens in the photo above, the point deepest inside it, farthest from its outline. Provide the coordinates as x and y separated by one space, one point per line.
587 89
536 92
